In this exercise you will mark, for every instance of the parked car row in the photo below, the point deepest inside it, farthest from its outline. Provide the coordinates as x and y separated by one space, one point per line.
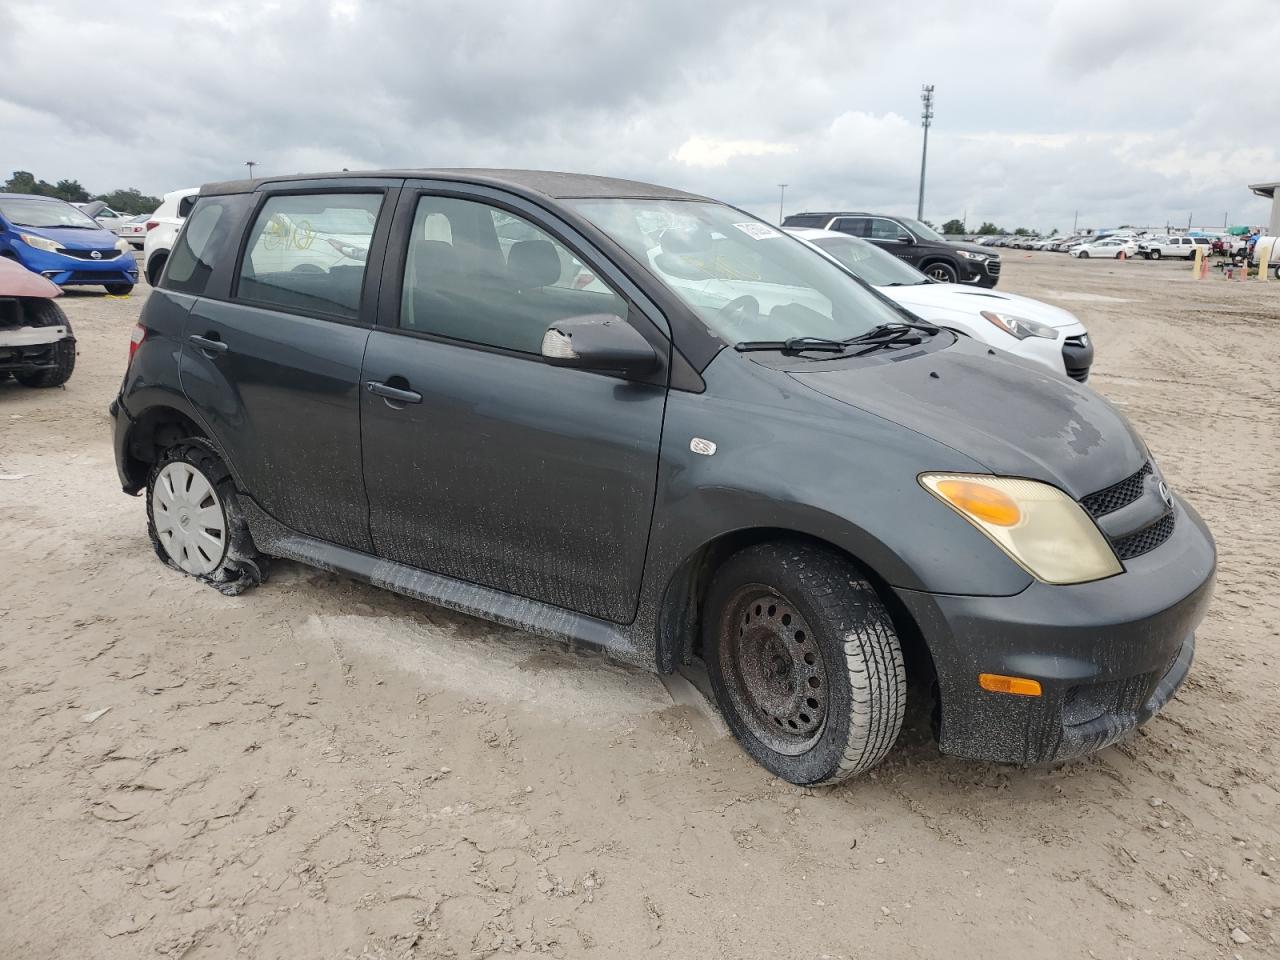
662 427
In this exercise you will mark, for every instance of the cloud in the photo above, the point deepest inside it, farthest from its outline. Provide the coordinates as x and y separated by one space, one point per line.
1139 112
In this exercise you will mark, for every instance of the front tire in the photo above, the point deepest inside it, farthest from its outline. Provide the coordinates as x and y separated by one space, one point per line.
1154 255
1084 255
804 662
46 313
941 272
118 289
195 520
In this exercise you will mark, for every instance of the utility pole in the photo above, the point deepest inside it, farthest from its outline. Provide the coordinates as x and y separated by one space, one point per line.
782 192
926 118
1075 224
251 164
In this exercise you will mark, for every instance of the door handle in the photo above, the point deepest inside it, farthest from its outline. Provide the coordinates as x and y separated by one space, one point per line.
392 393
208 345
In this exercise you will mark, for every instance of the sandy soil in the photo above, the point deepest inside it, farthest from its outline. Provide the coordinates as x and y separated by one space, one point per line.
319 769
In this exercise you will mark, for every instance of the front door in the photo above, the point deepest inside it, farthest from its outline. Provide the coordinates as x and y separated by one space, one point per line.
275 369
483 462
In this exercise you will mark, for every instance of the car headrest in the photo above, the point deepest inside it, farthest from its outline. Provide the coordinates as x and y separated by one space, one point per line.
431 258
533 263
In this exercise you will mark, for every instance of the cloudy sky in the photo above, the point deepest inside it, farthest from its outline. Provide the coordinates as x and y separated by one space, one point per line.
1127 112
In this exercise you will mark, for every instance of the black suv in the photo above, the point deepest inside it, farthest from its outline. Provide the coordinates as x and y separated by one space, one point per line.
647 421
947 261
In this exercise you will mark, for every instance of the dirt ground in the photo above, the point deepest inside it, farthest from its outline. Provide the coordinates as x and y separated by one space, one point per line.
318 769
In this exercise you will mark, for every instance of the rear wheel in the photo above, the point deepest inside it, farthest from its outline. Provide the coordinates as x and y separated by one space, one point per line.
804 661
941 271
62 358
155 267
195 521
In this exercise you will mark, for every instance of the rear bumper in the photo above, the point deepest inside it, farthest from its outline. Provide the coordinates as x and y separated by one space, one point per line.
1108 655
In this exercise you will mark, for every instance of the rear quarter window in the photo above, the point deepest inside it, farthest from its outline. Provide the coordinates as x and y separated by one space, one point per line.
208 238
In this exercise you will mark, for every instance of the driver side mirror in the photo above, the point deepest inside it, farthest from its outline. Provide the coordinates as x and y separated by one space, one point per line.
598 342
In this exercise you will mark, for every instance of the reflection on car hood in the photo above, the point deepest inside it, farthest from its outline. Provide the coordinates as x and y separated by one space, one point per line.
957 296
1009 416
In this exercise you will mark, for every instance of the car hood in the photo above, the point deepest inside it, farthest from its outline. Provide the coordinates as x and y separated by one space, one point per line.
1009 416
73 238
973 300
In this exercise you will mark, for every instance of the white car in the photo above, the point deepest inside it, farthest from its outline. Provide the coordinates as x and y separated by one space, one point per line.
110 219
1112 247
1037 332
162 230
1153 248
135 230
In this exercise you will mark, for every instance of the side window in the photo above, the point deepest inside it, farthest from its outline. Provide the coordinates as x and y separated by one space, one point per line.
887 230
854 226
308 252
202 239
477 273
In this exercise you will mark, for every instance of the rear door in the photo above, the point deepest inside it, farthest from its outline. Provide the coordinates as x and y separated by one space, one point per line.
274 367
896 239
483 462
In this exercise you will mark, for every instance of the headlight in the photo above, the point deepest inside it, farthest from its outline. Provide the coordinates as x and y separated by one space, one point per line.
1020 327
1042 529
123 245
969 255
40 243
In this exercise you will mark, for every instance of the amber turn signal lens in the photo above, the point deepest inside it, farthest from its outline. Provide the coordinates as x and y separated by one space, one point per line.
981 501
1018 686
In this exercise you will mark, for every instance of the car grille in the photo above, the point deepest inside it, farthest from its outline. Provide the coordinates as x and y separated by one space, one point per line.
1117 495
993 267
89 254
1144 540
1112 498
96 277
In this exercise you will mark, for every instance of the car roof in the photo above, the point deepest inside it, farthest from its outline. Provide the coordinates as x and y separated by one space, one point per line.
838 213
814 233
548 183
34 196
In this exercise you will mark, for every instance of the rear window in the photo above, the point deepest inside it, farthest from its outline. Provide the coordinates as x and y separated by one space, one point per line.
308 252
806 220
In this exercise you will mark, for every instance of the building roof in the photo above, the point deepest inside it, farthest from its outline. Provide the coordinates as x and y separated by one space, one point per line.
1267 190
560 186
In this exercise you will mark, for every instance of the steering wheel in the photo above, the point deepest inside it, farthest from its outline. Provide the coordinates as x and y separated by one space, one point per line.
744 309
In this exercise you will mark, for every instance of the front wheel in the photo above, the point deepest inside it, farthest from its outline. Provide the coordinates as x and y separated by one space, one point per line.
804 661
1154 255
195 522
941 272
118 289
1084 255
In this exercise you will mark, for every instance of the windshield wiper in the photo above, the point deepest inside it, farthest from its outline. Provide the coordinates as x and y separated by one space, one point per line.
904 333
794 345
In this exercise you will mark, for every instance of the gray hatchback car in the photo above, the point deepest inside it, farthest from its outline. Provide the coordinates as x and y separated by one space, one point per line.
647 421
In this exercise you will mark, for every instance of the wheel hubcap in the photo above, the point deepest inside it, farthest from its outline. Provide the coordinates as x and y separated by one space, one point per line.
773 670
938 273
189 519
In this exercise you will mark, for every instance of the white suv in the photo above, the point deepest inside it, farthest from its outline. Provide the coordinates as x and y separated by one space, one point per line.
162 231
1154 248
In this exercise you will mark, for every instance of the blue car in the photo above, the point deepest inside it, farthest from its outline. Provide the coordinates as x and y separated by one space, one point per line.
54 239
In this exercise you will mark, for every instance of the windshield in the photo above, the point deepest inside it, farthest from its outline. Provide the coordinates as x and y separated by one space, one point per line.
22 212
921 231
745 279
870 263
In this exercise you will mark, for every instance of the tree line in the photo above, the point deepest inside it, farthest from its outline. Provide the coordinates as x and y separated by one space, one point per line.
988 229
128 200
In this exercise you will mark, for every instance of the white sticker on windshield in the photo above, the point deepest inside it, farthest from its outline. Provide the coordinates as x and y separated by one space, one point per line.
757 231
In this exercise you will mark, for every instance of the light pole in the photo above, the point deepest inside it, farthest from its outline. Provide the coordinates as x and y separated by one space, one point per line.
782 192
251 164
926 118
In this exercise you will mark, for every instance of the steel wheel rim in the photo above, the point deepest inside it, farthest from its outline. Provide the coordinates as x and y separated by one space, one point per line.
773 670
189 520
939 273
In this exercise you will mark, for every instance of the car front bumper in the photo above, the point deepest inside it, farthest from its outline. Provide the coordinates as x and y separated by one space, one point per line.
1108 655
72 271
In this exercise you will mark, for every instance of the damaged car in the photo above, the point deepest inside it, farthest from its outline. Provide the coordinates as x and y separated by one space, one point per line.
647 421
37 347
